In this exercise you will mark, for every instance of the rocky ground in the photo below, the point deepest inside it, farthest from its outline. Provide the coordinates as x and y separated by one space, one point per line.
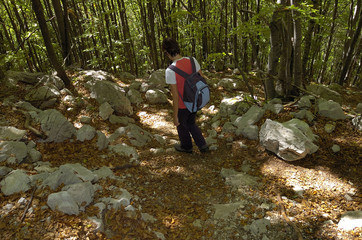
237 191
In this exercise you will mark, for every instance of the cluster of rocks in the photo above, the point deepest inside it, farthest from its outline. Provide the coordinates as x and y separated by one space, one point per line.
80 189
44 91
291 140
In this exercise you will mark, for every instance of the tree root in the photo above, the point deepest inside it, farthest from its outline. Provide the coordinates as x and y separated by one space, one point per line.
28 126
285 217
28 205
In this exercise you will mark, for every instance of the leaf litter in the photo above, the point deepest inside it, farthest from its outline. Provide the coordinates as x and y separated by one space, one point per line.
179 190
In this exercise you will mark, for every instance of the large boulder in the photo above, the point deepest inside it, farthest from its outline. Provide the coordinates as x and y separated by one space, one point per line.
252 116
104 90
157 79
156 96
64 176
325 92
42 93
11 133
82 193
291 140
86 132
63 202
138 137
235 105
305 102
56 126
13 149
12 78
51 81
105 111
17 181
331 109
134 96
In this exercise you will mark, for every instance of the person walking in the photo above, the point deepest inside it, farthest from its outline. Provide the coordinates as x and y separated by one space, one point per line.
183 119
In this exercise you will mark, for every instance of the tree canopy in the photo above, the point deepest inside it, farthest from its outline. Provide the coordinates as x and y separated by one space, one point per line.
287 42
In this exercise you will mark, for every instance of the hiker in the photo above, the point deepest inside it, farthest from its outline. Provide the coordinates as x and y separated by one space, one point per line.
183 119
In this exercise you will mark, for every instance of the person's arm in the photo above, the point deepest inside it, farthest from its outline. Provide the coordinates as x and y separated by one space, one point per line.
203 75
174 93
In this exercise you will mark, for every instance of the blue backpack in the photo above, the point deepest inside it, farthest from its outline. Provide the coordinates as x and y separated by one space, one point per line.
196 91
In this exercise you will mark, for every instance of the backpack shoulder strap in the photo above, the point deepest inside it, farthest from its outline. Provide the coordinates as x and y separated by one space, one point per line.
178 71
193 64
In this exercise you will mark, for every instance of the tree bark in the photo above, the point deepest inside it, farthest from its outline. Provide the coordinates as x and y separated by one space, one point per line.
329 45
297 48
38 9
62 22
274 54
350 52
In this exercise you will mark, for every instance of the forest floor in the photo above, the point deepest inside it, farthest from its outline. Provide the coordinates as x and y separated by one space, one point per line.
179 189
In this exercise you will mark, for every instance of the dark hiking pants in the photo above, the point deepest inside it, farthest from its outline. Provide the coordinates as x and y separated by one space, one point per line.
188 126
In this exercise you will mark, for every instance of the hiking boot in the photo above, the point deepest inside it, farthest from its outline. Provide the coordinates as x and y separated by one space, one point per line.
204 148
181 149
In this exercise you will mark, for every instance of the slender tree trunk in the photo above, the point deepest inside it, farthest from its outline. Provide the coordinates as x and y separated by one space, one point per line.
129 47
18 37
62 23
7 35
38 9
205 50
329 45
350 53
2 55
297 48
235 36
245 55
274 54
154 52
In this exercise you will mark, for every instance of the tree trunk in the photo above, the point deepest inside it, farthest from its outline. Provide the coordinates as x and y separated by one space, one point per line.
38 9
308 42
297 48
129 48
205 50
62 22
153 46
329 45
235 36
18 37
274 54
350 52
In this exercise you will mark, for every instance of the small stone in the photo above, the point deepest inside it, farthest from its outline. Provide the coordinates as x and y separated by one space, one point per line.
336 148
148 218
197 223
160 235
329 128
347 197
350 220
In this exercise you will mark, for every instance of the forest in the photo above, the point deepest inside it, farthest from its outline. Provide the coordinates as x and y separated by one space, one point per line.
287 42
87 138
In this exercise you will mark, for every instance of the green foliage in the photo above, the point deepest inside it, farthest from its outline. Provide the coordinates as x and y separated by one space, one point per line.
109 47
215 61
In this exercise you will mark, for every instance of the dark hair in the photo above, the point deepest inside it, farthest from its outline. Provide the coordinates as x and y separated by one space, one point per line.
171 46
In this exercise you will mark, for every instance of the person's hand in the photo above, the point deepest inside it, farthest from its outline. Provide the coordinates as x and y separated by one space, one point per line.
175 121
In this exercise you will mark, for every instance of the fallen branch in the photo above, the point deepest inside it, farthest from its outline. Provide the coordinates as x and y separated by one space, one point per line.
28 126
285 217
28 205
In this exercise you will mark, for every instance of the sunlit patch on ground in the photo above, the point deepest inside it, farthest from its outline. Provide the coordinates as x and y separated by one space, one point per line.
157 121
299 177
